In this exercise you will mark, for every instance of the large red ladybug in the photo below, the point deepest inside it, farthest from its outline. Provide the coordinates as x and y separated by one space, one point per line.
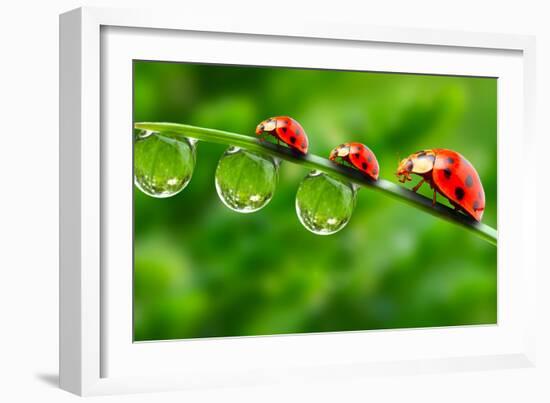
287 130
358 155
448 173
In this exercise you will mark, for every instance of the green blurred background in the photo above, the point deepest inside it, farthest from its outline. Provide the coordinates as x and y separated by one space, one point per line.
202 270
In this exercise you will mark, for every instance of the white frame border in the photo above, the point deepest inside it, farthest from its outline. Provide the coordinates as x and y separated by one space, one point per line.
80 184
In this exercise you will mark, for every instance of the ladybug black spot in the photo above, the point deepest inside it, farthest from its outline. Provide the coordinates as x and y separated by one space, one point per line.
304 145
476 205
459 193
450 160
469 181
369 159
364 165
374 172
293 139
357 155
447 173
283 129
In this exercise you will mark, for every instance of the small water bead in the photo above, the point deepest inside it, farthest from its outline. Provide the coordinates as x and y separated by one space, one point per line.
324 204
143 134
246 181
163 166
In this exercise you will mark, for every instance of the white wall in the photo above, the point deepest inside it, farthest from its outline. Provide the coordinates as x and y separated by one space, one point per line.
28 225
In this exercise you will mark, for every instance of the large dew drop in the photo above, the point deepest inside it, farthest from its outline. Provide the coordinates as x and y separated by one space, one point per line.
324 205
246 181
163 166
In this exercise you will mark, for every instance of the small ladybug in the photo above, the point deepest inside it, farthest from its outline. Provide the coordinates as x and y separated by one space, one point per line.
287 130
448 173
358 155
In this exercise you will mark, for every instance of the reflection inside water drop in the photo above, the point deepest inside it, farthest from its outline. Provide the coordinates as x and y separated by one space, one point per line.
324 204
246 181
163 166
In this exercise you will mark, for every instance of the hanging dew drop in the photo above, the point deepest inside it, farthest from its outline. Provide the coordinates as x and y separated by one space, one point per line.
143 134
163 166
324 205
246 181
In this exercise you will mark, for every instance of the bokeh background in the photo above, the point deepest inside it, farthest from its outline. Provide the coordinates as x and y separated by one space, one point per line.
202 270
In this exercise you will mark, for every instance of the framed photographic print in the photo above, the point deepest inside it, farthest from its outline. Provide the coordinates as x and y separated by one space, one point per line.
243 202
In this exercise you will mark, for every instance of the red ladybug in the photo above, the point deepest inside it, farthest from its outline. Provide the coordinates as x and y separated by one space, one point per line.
287 130
358 155
448 173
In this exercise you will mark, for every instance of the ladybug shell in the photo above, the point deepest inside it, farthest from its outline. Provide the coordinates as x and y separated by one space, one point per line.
360 156
457 179
288 131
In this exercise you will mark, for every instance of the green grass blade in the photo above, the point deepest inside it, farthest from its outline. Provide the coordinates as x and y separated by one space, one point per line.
313 161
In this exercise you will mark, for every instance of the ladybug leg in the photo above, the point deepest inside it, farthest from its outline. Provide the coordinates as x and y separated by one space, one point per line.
418 185
405 178
434 200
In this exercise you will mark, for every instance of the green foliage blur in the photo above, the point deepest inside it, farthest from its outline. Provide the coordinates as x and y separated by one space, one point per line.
202 270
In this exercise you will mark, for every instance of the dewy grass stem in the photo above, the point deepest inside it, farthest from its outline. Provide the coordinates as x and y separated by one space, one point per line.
312 161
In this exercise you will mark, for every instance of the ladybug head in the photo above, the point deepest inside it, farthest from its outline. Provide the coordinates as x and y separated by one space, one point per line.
267 125
341 151
418 163
404 169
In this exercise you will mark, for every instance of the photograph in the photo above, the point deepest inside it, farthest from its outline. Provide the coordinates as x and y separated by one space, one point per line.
277 200
218 204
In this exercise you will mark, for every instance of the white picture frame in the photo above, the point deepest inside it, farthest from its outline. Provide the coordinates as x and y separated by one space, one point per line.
96 354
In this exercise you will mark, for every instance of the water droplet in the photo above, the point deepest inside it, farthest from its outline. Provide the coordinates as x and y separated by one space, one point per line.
246 181
163 166
324 204
143 134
